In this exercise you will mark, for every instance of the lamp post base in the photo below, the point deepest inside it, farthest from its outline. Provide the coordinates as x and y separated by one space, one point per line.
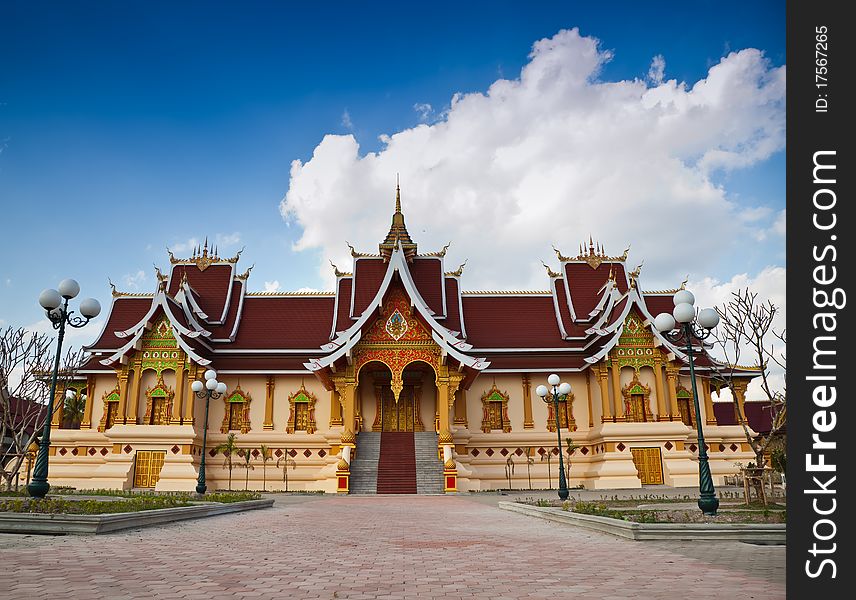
38 489
200 488
708 504
563 494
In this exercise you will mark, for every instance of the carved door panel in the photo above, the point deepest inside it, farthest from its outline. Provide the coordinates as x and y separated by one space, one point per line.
147 468
649 464
398 416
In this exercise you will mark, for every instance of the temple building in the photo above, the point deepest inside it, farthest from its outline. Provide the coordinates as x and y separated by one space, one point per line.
396 381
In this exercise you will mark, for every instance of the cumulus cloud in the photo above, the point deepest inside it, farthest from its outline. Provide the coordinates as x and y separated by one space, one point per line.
272 286
225 240
424 110
657 70
769 284
551 157
185 247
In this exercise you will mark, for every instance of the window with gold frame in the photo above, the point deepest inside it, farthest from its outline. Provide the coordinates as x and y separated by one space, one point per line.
236 415
111 409
566 413
302 411
686 406
495 410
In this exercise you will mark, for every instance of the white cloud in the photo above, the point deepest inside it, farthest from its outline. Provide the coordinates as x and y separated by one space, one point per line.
134 281
550 158
346 120
226 240
424 110
657 69
185 247
272 286
769 284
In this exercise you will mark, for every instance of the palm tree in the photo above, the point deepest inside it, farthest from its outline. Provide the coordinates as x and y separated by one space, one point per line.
248 456
73 408
509 470
570 450
266 455
285 462
529 462
228 448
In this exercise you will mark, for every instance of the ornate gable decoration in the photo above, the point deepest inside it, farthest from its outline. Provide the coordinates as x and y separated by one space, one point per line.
635 345
160 349
634 388
397 323
203 258
489 418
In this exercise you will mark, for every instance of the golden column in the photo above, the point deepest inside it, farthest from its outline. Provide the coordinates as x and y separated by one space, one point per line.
603 382
461 408
335 408
347 389
178 400
122 376
59 405
672 376
134 396
740 390
446 387
86 423
662 412
528 421
588 393
617 398
708 402
270 386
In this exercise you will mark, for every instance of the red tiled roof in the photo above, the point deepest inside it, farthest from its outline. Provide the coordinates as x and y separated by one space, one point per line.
453 316
368 275
427 274
284 322
512 322
211 286
124 314
586 282
224 330
343 319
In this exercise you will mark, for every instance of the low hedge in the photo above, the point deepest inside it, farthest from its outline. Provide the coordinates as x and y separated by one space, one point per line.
88 507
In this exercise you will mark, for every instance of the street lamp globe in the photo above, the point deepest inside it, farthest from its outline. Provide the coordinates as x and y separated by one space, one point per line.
553 379
684 312
50 299
69 288
221 388
90 308
197 386
565 388
683 297
708 318
541 390
211 384
210 374
664 322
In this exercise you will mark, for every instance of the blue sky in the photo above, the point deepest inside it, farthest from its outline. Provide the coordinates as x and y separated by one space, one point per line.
126 128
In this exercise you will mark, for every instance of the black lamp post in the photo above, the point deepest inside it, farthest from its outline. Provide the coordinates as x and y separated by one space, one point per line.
211 388
683 326
559 389
55 304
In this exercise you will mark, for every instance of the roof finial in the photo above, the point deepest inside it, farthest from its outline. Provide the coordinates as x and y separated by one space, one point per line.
397 194
684 282
205 250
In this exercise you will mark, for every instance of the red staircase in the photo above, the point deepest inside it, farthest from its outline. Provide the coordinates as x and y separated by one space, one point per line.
396 468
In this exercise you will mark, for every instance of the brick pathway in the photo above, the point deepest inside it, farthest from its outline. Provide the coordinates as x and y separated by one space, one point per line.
382 547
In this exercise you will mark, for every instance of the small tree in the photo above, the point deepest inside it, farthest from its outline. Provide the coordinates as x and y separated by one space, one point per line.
570 450
26 367
509 470
248 466
228 448
747 327
266 454
284 462
529 462
548 456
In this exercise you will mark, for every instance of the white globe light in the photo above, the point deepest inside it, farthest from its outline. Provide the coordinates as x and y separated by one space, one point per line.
197 386
210 374
211 384
541 390
684 297
708 318
90 308
565 388
221 387
69 288
50 299
664 322
684 312
553 379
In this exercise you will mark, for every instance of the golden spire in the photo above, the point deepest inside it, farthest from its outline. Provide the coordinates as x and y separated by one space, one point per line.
398 232
397 195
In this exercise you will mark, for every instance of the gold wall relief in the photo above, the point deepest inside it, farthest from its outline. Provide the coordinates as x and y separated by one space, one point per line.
528 421
637 405
686 405
301 416
158 403
237 413
566 413
495 411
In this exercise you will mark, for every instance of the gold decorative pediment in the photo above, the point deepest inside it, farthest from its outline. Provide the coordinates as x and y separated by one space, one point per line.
302 411
495 410
242 422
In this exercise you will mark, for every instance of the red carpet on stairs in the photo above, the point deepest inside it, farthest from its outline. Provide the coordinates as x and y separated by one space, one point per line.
396 468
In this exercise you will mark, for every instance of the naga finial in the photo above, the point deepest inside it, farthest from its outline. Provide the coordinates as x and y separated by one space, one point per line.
550 272
559 254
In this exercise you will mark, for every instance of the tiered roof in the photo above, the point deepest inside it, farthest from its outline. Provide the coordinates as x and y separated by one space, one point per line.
571 326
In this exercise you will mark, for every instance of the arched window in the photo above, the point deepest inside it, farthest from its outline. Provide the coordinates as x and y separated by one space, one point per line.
158 403
302 414
111 409
637 405
495 409
237 413
686 406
